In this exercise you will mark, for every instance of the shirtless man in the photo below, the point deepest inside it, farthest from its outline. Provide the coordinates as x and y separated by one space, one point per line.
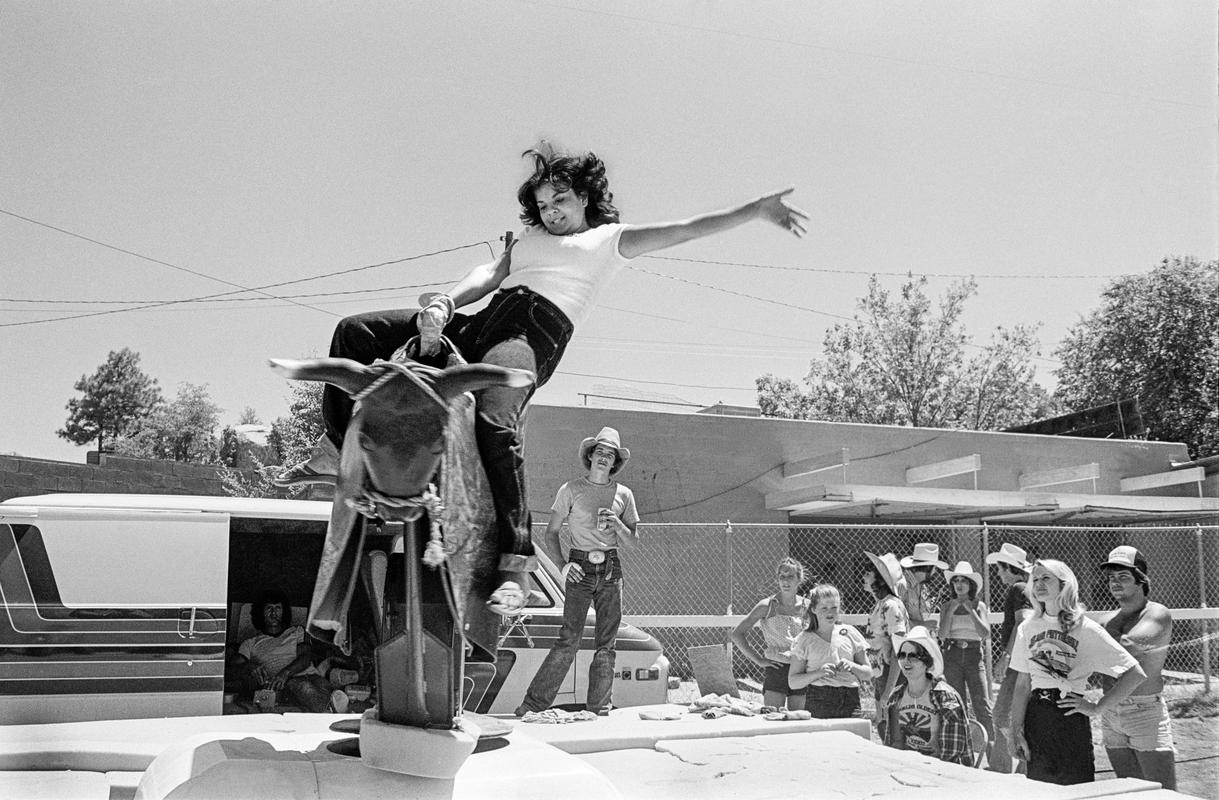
1136 732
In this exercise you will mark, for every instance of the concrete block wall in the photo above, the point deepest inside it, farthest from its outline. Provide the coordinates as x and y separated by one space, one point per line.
21 476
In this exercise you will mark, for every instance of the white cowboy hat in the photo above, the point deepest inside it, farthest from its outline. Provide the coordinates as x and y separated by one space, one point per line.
609 437
887 568
925 554
964 569
921 636
1012 555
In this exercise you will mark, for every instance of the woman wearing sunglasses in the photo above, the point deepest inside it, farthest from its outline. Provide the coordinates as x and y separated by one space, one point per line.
924 713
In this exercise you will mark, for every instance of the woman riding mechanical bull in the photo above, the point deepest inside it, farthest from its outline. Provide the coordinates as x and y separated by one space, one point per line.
545 282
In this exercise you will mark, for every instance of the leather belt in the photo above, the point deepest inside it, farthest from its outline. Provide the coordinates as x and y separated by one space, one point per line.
592 556
964 644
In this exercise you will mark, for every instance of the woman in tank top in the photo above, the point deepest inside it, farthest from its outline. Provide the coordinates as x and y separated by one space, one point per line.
780 617
964 626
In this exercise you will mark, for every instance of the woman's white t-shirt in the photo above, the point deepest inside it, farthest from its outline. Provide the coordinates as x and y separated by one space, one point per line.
1057 660
816 652
569 271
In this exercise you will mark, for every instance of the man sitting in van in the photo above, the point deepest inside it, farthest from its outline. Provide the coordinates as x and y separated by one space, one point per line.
280 658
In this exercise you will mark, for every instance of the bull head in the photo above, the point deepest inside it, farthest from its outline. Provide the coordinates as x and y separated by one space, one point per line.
397 430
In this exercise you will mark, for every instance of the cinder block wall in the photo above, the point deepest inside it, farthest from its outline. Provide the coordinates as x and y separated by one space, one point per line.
20 476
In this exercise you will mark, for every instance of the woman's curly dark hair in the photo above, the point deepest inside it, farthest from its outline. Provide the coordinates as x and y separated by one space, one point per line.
584 174
266 598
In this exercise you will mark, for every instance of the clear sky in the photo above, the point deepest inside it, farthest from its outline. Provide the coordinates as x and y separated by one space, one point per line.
225 145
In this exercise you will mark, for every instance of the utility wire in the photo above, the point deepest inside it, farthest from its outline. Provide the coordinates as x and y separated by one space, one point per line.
832 271
787 305
239 288
132 253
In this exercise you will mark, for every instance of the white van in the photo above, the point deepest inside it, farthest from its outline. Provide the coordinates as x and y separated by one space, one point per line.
124 606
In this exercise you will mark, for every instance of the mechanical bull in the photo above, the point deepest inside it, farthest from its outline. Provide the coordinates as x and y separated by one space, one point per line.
410 422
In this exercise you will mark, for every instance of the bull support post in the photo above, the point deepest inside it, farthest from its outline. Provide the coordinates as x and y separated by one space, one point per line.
416 728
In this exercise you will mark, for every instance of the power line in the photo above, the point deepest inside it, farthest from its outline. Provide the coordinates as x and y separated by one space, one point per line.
125 251
654 383
223 299
740 294
239 288
787 305
832 271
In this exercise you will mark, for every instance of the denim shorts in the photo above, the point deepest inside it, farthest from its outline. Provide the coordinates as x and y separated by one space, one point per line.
1140 722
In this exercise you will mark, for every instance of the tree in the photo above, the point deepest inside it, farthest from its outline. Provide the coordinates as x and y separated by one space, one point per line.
113 400
229 447
1154 337
291 439
903 362
183 430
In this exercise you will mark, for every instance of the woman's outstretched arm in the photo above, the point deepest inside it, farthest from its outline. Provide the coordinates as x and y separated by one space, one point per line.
640 239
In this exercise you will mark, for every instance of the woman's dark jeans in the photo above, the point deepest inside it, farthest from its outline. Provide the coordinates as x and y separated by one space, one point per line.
518 329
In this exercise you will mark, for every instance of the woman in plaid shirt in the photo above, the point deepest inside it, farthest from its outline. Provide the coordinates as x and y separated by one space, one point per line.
924 713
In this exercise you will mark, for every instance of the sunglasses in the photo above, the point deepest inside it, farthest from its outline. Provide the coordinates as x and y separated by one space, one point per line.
907 656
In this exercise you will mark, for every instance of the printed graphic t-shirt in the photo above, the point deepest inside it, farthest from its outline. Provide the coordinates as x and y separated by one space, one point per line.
914 717
1057 660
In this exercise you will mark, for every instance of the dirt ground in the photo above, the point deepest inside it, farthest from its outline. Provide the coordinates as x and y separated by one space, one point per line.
1197 741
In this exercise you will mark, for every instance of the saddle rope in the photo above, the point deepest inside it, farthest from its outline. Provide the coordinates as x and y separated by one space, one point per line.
366 504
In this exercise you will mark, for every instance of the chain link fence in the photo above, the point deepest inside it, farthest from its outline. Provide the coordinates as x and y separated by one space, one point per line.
689 584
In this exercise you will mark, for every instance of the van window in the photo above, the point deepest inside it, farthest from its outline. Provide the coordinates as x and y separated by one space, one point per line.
74 564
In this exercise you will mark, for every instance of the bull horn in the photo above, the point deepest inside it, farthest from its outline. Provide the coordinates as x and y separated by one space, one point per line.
472 377
350 376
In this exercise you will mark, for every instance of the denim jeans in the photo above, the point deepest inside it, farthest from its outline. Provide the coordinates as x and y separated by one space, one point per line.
963 670
518 329
604 594
1000 759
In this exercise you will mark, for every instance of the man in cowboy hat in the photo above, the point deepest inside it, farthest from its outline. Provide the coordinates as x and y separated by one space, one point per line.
601 517
1136 733
917 567
1012 565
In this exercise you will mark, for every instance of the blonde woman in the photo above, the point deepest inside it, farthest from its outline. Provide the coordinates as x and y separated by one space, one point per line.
781 619
1056 649
829 659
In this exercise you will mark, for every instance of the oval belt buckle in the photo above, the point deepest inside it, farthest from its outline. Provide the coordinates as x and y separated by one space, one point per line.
596 556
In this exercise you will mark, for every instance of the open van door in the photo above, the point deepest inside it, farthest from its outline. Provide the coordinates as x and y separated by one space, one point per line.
111 613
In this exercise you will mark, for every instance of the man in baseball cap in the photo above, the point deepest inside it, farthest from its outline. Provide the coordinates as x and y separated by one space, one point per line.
1137 733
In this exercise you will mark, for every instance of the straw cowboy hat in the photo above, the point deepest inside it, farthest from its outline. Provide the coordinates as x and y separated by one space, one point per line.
887 568
609 437
925 554
1011 555
921 636
964 569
